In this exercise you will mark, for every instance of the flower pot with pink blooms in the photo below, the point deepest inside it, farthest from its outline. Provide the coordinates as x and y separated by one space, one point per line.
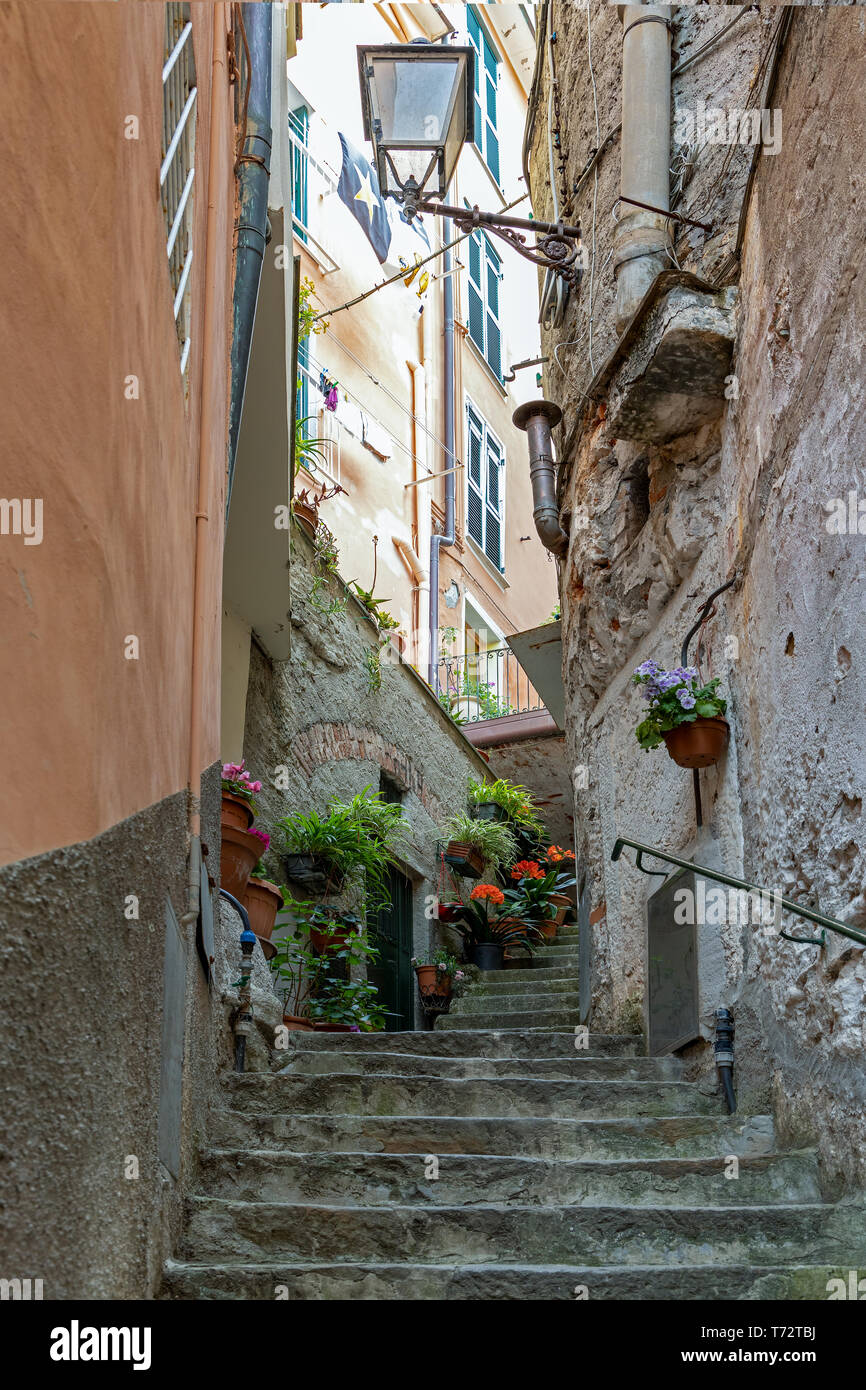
240 849
682 712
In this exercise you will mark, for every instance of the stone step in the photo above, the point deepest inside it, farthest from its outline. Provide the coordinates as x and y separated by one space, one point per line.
483 1003
376 1179
502 1018
347 1094
579 1066
624 1137
490 1283
491 1042
497 983
228 1230
551 969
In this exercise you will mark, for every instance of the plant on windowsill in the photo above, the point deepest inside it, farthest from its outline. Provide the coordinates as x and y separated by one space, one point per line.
473 845
683 713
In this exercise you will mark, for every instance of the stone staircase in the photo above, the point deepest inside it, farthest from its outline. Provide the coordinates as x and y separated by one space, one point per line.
490 1159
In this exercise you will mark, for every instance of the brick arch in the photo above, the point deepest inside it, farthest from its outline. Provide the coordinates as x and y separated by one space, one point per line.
330 743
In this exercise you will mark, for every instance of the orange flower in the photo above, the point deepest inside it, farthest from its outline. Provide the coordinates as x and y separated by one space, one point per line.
527 868
488 890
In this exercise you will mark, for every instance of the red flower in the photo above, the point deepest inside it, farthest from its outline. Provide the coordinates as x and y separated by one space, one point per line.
488 890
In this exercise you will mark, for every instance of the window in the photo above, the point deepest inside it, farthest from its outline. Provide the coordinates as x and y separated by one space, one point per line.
486 82
177 171
485 488
485 273
299 127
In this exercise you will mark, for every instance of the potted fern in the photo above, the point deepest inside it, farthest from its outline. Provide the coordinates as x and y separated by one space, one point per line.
473 845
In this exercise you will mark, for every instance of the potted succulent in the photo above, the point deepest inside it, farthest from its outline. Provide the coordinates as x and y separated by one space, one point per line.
683 713
473 845
305 506
489 924
435 972
262 898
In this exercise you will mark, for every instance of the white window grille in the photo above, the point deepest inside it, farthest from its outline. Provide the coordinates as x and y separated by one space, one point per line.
177 171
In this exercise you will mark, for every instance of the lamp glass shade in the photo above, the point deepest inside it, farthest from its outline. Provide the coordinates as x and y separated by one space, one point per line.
417 112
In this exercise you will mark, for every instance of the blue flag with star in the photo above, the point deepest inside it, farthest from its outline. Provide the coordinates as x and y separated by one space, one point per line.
359 190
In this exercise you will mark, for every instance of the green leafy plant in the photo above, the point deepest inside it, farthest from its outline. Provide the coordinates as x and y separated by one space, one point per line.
493 839
487 918
384 620
361 837
326 561
674 697
354 1003
516 801
535 886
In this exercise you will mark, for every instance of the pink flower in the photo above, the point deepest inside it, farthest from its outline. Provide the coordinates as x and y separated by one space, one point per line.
263 836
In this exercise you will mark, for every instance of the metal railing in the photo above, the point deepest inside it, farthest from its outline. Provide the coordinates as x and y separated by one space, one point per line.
485 685
810 914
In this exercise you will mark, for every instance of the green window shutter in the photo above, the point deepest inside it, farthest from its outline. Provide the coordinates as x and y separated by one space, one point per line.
299 125
474 479
485 489
486 135
492 330
476 292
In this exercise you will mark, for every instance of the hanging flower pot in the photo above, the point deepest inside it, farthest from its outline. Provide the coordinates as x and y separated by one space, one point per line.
489 810
316 874
234 810
262 900
466 859
450 912
698 744
240 852
432 980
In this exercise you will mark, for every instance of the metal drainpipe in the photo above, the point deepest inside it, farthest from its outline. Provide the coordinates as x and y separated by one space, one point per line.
448 536
641 237
254 166
539 418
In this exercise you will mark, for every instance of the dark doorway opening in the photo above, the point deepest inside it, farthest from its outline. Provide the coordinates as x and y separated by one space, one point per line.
391 932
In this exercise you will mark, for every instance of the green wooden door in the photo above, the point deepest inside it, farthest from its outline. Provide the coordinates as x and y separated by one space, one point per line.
393 976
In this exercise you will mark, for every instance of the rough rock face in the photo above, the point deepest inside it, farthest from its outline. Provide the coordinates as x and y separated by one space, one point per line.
770 491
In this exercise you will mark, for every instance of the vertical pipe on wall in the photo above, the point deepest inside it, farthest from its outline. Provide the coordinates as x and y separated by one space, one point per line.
448 535
641 237
254 166
212 386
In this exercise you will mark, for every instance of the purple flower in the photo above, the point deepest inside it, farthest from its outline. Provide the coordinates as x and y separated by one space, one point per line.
647 668
686 699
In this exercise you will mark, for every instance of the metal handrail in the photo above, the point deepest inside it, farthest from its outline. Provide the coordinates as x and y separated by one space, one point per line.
493 682
821 918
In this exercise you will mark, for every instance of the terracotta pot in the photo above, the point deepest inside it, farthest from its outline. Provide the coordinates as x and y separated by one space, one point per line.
262 900
235 811
432 981
467 860
321 940
322 1027
307 518
296 1024
239 854
548 929
699 744
562 903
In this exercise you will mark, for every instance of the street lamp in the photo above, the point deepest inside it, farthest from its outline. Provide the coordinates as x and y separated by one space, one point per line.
418 106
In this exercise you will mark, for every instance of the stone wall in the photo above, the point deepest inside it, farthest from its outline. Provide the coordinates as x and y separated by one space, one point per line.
316 731
89 1204
657 525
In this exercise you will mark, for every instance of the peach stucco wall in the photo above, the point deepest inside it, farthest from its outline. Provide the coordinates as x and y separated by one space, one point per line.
92 737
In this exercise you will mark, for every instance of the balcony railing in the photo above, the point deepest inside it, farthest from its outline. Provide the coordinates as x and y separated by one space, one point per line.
486 685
